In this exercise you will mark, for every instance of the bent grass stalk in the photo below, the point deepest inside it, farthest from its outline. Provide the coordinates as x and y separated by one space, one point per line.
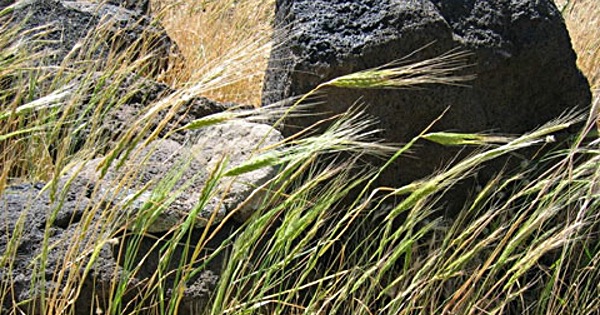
443 69
296 255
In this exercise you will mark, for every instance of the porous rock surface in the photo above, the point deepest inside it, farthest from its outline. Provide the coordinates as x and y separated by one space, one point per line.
27 213
238 141
129 100
63 24
5 3
89 209
521 55
133 182
140 6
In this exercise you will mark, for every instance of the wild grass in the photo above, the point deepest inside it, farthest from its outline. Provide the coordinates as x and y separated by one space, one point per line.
198 27
526 242
583 23
228 38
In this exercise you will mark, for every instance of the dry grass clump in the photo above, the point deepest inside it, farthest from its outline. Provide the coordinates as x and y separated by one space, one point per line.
226 41
583 22
525 243
237 32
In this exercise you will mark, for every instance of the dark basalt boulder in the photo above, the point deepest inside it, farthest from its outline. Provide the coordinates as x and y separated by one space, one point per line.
140 6
522 57
130 97
28 215
63 24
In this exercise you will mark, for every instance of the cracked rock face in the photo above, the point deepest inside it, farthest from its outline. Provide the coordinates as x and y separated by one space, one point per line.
520 51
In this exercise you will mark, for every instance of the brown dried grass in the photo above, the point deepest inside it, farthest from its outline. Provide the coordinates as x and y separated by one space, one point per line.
210 34
583 22
208 31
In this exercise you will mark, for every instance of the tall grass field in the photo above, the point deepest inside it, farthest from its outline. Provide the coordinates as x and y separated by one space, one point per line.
325 239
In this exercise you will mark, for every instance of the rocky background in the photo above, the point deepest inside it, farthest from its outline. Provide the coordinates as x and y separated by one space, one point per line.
520 53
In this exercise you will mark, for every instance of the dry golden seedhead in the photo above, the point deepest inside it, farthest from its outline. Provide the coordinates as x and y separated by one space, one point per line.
443 69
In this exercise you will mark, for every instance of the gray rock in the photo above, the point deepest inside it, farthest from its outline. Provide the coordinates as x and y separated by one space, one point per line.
238 141
129 98
71 22
140 183
133 183
25 212
521 54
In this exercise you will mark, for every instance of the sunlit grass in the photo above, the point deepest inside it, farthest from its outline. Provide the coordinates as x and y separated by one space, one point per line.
583 23
324 240
228 38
